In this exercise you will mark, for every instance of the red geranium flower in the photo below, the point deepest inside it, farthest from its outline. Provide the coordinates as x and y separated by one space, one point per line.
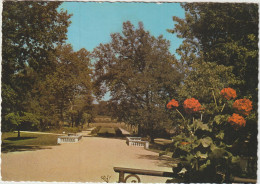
237 120
191 105
243 106
172 103
228 93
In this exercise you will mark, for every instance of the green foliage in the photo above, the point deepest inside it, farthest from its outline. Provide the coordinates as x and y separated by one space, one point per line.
66 91
225 34
219 49
29 38
18 120
210 152
140 73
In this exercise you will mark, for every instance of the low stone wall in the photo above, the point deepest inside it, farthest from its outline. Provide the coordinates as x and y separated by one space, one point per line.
69 139
136 141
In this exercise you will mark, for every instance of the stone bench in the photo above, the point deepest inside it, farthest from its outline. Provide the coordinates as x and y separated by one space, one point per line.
69 139
136 141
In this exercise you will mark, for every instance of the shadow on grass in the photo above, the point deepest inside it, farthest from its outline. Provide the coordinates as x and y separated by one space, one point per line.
161 161
19 138
7 147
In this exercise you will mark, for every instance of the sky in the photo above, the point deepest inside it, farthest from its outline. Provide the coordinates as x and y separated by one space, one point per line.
93 22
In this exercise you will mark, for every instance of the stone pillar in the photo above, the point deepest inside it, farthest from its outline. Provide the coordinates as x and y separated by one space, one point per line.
59 140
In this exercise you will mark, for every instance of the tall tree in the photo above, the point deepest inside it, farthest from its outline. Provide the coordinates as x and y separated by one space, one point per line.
139 71
69 84
220 49
224 33
31 30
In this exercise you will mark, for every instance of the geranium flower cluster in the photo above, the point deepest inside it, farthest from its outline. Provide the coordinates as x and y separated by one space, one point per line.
241 106
172 103
236 120
191 105
228 93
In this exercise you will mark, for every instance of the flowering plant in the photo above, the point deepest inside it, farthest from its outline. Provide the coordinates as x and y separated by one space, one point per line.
228 93
172 103
236 120
243 106
191 105
207 146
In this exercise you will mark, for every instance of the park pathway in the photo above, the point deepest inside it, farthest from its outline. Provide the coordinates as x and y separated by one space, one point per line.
85 161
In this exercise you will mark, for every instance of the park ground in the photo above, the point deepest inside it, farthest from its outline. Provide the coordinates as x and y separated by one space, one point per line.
85 161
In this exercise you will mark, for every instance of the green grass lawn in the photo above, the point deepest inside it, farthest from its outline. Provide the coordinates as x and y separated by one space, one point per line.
27 141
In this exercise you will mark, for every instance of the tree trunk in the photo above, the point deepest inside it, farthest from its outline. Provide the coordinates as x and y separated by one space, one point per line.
18 135
139 131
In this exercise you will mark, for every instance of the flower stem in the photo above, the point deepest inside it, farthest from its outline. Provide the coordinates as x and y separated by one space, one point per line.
214 99
185 124
223 107
180 114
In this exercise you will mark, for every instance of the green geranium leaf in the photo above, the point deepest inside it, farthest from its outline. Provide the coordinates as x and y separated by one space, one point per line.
220 135
204 166
206 142
220 119
217 153
190 158
201 155
202 126
235 159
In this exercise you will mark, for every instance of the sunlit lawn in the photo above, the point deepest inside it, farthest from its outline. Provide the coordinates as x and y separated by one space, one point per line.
27 141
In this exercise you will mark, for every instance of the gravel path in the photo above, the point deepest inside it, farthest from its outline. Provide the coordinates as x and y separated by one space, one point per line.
85 161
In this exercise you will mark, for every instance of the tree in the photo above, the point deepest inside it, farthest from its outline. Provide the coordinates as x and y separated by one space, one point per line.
139 72
31 31
102 108
223 33
219 50
18 120
68 90
226 35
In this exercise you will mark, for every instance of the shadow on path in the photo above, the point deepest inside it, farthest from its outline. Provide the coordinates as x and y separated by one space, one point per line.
161 161
7 147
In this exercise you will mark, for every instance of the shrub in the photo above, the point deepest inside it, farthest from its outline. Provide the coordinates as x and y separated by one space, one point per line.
211 146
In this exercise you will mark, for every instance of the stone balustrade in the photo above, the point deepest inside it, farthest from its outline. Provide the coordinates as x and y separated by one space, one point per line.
136 141
69 139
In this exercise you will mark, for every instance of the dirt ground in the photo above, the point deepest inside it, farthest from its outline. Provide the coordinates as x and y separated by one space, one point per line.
85 161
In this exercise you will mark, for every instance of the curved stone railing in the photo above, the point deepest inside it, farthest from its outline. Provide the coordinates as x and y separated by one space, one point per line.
69 139
136 141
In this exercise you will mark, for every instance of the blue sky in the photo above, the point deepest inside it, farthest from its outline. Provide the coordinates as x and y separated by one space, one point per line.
93 22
